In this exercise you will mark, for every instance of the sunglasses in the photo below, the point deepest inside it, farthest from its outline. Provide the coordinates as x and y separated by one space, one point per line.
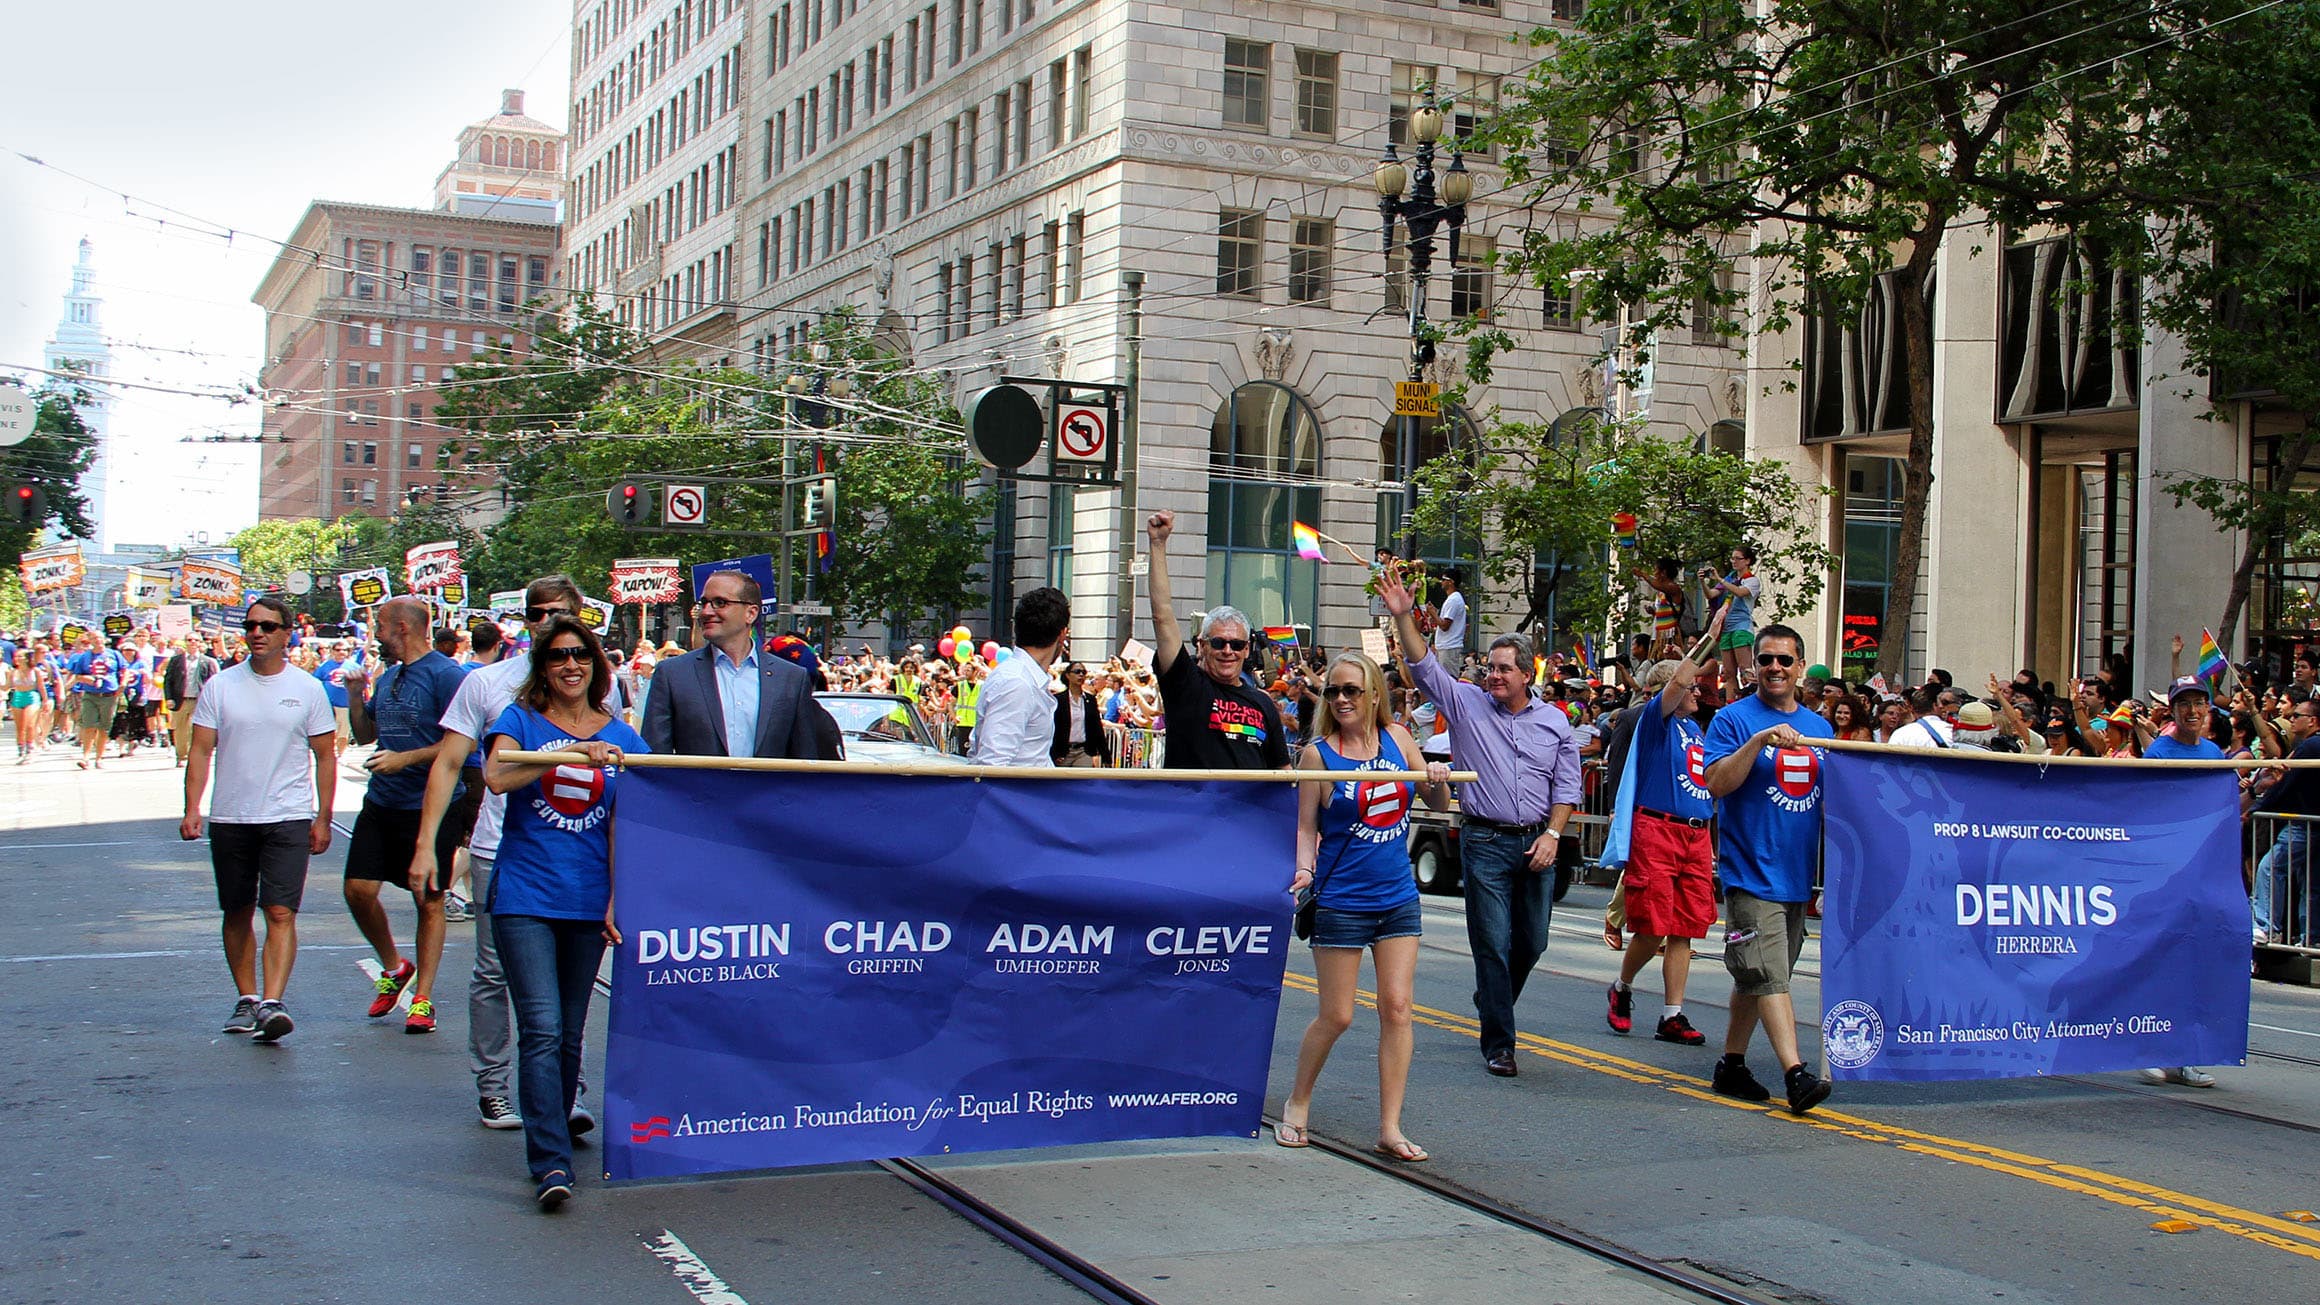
263 627
1228 645
1336 691
559 656
1774 659
535 615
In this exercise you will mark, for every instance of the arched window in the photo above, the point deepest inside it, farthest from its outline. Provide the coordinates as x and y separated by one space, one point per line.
499 151
532 155
1454 429
1726 436
548 156
1264 461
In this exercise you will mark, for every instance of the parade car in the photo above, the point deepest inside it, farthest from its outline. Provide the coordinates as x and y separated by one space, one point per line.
882 727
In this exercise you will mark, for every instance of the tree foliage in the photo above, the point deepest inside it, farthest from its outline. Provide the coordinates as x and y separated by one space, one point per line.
1549 498
51 459
1663 147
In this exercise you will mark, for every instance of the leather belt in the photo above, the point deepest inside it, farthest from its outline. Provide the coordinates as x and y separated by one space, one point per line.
1688 822
1531 830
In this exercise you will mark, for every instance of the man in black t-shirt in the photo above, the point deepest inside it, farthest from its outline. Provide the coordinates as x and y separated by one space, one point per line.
1216 720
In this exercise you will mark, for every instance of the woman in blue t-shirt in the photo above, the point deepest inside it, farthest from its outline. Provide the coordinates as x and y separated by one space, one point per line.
1353 845
551 888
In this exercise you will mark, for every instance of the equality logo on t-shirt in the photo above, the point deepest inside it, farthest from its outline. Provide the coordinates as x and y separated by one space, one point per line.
1796 778
1695 775
571 790
1237 720
1382 806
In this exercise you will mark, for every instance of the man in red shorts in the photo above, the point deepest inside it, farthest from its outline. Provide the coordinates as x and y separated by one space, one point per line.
1671 856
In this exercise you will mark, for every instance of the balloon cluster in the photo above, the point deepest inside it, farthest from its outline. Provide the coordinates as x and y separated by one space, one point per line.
959 646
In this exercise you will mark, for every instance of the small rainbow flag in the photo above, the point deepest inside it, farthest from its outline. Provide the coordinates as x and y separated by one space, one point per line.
1623 528
1281 634
2211 662
1308 542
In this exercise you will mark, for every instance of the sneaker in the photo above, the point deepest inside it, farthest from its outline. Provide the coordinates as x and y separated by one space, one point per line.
1734 1079
390 987
245 1017
273 1022
2191 1076
455 908
1675 1028
422 1017
498 1112
555 1188
1620 1015
580 1121
1805 1089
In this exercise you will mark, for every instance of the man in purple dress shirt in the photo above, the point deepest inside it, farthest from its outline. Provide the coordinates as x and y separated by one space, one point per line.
1515 814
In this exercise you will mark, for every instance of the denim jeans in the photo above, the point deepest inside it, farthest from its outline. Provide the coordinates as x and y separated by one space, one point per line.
491 1023
551 972
1508 905
2283 882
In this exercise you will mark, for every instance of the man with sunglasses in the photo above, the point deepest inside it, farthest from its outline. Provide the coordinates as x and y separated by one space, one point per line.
269 730
1217 720
1768 784
482 697
404 717
729 697
1512 818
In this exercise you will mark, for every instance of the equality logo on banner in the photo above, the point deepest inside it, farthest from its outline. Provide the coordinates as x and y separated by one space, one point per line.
647 580
957 966
57 566
210 580
1996 920
432 566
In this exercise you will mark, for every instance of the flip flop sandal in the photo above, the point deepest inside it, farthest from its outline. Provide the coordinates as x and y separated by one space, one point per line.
1290 1135
1404 1152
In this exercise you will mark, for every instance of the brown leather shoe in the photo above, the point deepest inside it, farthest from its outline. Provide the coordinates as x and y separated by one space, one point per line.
1500 1063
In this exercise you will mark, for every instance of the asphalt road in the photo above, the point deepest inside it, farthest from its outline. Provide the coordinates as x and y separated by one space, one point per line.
154 1158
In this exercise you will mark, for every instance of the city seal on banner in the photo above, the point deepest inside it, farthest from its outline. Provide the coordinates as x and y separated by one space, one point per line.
1852 1033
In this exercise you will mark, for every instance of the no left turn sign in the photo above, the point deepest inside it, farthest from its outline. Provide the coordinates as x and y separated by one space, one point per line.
685 505
1081 434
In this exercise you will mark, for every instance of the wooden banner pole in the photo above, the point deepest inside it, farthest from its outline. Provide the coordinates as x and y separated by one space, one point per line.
957 770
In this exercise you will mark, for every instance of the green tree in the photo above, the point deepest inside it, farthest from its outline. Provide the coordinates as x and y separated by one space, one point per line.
2234 262
271 550
15 608
1822 144
1549 498
51 460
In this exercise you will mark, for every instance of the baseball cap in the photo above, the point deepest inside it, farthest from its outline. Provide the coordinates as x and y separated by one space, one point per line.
2188 684
1818 671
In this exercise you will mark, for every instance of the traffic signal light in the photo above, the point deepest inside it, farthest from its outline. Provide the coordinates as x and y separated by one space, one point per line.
27 505
630 503
821 507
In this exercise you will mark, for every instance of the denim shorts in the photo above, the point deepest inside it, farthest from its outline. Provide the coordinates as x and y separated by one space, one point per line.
1358 929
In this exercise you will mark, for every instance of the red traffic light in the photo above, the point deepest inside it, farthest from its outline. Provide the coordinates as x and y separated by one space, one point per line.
628 491
24 491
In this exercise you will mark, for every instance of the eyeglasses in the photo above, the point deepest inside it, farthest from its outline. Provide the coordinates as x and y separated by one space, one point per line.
721 604
535 615
1228 645
1774 659
1336 691
2306 715
263 627
568 653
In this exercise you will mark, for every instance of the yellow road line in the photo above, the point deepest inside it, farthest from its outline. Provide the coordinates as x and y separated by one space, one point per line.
2159 1202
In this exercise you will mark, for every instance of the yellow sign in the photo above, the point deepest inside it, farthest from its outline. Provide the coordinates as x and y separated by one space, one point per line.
1417 399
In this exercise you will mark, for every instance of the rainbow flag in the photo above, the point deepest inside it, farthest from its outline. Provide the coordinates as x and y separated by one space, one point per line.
2211 662
1281 634
1623 528
1664 619
1308 542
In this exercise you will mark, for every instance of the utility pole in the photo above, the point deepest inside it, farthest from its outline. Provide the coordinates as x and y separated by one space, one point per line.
1124 613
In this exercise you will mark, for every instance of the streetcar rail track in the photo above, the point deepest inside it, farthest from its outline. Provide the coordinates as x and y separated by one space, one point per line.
1081 1272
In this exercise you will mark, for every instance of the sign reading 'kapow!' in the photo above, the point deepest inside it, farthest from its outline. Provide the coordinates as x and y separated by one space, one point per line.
57 566
647 580
210 580
432 566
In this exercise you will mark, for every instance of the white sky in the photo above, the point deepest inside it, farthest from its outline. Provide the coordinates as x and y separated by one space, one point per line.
218 117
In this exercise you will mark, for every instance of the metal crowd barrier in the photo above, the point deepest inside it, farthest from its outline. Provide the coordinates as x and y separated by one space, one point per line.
2281 848
1137 749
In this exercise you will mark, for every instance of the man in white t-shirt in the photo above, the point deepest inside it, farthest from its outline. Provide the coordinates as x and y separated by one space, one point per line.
1016 714
270 732
483 695
1450 626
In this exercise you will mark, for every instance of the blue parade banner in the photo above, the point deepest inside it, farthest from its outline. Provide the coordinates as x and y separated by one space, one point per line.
1994 920
831 967
757 566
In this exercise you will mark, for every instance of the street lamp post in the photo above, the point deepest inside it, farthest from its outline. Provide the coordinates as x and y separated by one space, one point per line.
1420 214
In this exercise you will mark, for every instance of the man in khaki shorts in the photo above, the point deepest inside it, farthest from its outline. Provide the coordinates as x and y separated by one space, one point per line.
1769 784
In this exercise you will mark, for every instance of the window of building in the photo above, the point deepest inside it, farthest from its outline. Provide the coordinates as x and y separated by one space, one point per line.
1264 459
346 453
1022 121
1240 252
1062 532
1422 440
421 280
1316 93
1397 282
350 373
378 334
418 374
1567 11
346 490
354 331
413 412
1310 242
1058 82
1083 83
370 492
411 455
447 287
419 339
1559 306
370 453
1074 255
943 278
1247 83
478 281
971 132
1470 280
1016 249
1003 113
1410 81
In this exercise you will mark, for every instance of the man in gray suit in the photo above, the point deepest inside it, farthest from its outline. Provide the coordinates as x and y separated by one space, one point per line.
728 697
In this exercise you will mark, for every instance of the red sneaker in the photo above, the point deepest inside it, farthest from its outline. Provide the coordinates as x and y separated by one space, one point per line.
422 1017
1619 1016
390 987
1675 1028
